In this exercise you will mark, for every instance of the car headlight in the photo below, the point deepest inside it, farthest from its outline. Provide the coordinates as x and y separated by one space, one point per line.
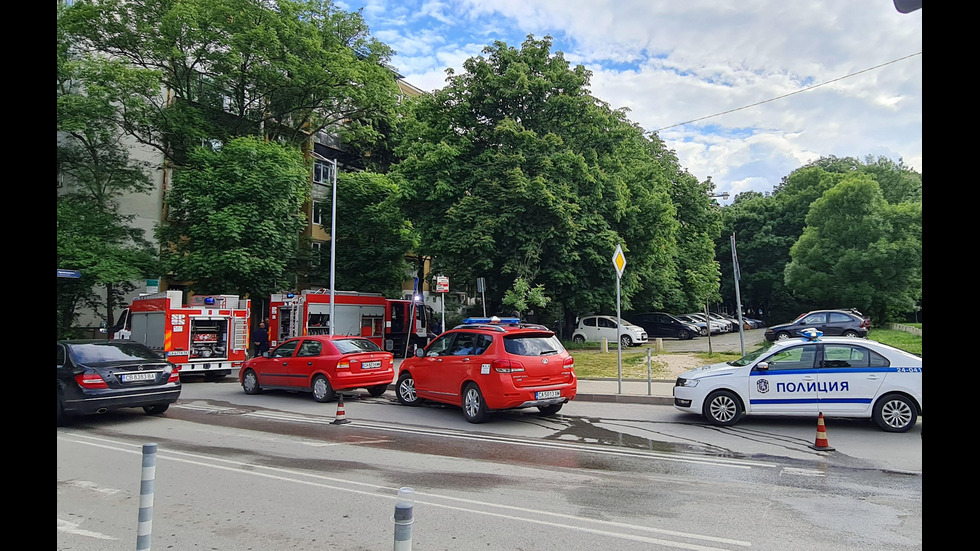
690 383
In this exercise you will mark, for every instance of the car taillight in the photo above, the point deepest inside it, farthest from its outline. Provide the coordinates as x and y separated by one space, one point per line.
506 366
174 376
569 362
90 380
866 323
343 364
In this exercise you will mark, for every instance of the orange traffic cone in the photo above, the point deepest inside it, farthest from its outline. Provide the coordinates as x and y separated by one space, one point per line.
341 416
821 442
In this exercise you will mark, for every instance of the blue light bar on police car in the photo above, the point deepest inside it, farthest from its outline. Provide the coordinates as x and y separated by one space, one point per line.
811 333
493 319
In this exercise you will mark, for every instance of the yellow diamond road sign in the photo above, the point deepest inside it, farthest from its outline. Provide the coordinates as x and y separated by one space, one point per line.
619 260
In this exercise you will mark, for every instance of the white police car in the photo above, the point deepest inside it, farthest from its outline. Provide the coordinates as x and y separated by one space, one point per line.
836 376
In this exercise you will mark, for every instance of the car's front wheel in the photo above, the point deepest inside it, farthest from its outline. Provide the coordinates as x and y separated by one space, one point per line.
322 391
895 413
250 382
405 390
683 334
722 408
550 410
377 390
474 408
578 338
157 409
782 336
625 341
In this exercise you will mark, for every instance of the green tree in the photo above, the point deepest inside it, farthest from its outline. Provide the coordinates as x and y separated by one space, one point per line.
93 160
234 217
515 171
521 297
372 236
232 68
851 253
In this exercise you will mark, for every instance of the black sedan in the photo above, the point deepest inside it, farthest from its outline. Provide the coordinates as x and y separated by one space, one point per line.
95 376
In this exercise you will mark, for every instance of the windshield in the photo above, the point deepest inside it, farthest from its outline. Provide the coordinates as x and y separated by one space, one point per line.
751 356
350 346
533 345
113 352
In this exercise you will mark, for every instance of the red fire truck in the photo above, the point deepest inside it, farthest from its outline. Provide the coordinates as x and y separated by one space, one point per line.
391 323
208 336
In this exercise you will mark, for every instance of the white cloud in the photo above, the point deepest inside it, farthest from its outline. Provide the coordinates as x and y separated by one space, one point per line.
672 62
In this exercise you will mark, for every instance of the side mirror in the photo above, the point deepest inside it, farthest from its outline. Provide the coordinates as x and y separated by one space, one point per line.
762 366
419 352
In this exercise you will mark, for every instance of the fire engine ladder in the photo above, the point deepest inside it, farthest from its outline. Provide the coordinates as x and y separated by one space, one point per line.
240 341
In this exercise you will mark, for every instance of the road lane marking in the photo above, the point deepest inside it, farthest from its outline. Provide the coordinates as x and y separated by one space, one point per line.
72 528
373 490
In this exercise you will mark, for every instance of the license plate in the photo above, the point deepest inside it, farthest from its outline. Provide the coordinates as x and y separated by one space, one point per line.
138 377
371 365
547 394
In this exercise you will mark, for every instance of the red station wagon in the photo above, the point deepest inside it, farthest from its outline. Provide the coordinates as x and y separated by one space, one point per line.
320 364
490 364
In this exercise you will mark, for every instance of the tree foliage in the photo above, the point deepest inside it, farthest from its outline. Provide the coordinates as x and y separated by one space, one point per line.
234 216
96 169
372 236
516 173
818 243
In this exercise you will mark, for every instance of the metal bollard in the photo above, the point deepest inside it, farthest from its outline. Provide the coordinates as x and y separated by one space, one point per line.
145 523
404 518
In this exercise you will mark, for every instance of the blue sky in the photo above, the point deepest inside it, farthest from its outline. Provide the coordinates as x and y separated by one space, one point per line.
741 68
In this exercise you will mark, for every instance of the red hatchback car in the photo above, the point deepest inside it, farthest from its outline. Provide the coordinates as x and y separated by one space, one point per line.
320 364
490 364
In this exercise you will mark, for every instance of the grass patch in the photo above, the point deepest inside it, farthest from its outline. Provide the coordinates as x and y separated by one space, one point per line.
590 362
899 339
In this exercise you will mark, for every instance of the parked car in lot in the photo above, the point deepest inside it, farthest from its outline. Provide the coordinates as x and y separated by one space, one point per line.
96 376
730 326
836 376
321 364
490 364
830 322
596 328
701 325
716 326
662 324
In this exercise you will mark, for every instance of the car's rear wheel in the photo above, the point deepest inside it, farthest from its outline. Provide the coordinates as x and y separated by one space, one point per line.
377 390
405 390
474 408
850 333
722 408
782 336
895 413
625 341
683 334
550 410
704 332
157 409
250 382
322 391
578 339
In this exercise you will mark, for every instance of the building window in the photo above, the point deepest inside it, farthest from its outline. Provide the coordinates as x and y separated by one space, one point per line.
322 173
318 208
315 257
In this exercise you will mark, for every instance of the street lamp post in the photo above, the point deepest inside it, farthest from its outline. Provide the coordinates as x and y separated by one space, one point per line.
333 242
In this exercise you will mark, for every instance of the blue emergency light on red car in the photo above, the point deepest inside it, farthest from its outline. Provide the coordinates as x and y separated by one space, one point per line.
208 300
493 319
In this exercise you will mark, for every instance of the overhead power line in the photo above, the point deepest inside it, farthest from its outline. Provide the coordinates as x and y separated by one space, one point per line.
787 95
